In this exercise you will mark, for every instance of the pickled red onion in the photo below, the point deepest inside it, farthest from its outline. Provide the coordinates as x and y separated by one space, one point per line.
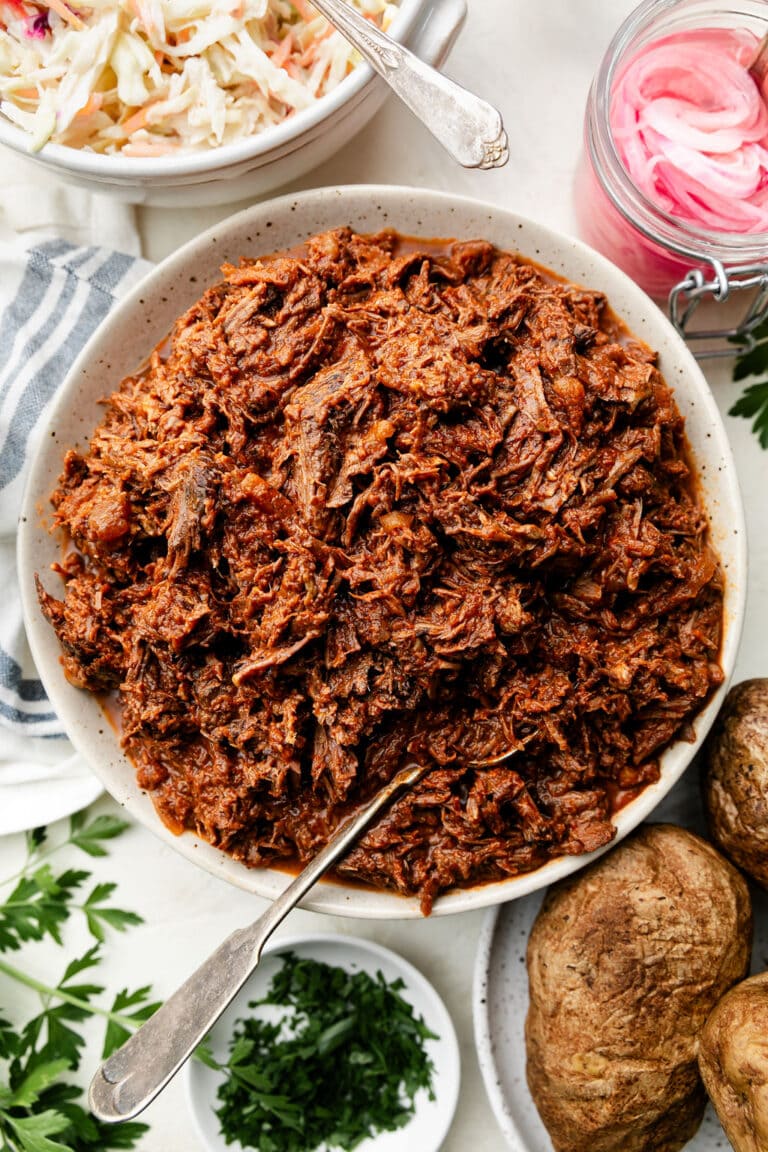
690 125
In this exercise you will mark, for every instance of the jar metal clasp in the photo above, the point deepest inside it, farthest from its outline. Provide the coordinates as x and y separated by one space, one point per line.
686 297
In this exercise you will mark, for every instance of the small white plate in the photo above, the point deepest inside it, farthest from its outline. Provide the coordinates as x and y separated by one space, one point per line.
500 1000
432 1118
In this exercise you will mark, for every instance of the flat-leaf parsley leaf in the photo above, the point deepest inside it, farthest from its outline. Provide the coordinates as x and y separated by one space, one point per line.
40 1111
753 405
753 402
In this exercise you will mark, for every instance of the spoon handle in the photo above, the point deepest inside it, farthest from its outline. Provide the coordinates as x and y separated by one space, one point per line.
131 1078
468 127
759 66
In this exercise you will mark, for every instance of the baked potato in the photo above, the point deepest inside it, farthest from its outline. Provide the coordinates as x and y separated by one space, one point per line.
735 778
625 962
733 1060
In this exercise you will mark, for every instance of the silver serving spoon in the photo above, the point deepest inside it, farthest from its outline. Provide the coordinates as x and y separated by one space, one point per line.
131 1078
134 1075
468 127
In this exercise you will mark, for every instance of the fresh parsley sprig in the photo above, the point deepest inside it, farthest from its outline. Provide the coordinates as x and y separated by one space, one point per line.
753 402
40 1110
42 901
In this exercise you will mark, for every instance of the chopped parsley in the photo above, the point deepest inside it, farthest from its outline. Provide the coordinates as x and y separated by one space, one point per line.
344 1060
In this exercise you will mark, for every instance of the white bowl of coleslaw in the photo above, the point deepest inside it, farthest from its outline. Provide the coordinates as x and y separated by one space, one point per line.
183 102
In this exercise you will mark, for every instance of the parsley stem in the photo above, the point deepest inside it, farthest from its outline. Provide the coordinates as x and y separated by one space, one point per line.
34 856
67 997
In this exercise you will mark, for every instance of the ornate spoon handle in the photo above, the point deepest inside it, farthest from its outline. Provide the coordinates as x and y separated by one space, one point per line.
468 127
131 1078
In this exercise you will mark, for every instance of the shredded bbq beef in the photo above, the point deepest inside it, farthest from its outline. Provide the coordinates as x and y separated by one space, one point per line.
374 502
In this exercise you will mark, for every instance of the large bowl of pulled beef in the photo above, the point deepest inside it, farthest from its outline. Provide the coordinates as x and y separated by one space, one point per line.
375 495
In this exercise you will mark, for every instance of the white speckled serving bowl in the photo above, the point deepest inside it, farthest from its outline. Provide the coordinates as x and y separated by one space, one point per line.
141 321
257 164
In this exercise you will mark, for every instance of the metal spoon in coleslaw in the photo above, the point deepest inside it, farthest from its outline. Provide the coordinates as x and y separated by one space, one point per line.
157 77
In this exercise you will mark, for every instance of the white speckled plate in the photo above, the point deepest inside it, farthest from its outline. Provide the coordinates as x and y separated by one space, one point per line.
144 317
500 1001
432 1118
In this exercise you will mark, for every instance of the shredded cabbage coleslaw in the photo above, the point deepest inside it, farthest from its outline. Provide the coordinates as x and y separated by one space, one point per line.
158 77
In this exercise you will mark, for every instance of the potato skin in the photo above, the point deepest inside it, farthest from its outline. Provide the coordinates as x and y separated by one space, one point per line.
733 1060
735 778
625 962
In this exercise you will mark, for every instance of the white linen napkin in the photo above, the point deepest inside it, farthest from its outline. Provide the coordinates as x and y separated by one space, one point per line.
65 257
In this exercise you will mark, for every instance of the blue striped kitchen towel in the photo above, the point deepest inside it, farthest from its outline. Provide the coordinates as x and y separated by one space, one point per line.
53 294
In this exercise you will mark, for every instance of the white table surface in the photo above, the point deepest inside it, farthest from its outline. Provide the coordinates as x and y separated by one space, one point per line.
535 60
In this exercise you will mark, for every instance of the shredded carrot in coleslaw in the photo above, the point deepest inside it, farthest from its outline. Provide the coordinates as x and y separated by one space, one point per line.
152 77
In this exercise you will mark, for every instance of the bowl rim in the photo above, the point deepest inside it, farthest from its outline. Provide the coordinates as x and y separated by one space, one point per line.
333 896
121 168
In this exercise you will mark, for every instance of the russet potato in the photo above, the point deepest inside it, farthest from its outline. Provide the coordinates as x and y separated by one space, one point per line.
733 1060
625 962
735 778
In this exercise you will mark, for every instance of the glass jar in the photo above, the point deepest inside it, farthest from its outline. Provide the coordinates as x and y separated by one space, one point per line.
670 258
